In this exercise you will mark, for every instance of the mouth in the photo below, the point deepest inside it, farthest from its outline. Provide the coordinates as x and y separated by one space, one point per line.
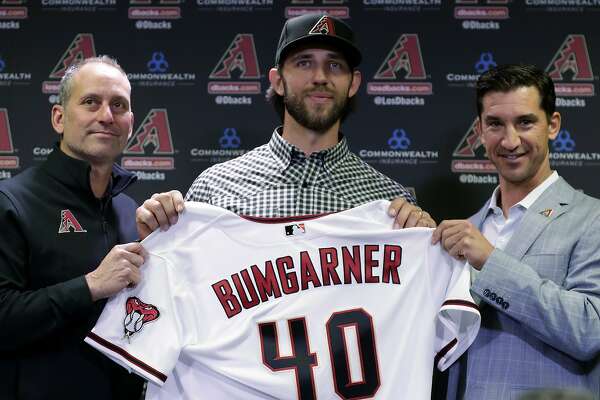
320 97
103 133
511 157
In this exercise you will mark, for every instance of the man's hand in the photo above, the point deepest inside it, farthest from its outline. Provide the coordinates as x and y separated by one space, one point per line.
408 216
462 240
161 210
119 269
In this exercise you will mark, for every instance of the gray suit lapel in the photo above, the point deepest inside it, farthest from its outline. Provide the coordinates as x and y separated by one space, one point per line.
554 202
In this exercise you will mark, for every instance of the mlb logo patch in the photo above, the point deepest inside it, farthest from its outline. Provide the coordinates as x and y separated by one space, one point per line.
295 229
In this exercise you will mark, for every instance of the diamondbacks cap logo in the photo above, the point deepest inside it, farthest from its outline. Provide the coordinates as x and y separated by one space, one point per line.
239 56
81 47
154 130
68 223
405 56
137 314
323 27
572 56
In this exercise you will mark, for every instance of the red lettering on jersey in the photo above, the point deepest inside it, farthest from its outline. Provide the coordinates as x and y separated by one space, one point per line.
224 293
572 56
352 265
370 263
392 258
266 284
241 55
155 130
307 271
404 56
81 47
6 145
249 286
289 281
329 262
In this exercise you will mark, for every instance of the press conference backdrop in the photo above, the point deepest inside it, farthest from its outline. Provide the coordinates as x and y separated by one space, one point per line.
199 73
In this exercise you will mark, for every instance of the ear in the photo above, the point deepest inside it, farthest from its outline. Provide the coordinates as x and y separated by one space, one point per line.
356 80
58 118
276 81
554 125
131 126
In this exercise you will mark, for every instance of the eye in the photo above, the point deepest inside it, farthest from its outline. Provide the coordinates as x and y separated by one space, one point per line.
303 63
89 101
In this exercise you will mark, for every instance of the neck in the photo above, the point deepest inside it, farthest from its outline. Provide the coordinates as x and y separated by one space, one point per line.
513 192
308 140
99 179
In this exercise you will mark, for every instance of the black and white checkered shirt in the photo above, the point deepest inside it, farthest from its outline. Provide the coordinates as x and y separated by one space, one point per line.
278 180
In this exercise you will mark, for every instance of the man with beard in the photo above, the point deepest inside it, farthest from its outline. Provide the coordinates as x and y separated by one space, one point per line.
306 168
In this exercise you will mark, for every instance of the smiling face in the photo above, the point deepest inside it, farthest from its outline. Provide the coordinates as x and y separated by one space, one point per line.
515 132
96 120
316 83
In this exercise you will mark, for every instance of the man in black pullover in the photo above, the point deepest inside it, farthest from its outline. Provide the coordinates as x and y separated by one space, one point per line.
60 257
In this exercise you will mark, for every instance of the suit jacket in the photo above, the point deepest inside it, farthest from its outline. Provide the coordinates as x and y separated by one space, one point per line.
540 304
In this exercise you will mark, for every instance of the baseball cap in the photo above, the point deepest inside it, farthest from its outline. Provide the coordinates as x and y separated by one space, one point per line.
318 28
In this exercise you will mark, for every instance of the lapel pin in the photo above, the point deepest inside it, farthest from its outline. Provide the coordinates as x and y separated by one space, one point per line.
547 212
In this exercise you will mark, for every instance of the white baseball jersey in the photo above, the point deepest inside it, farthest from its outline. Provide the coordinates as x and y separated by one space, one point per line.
338 306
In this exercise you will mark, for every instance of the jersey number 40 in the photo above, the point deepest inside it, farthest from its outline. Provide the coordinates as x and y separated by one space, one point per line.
302 361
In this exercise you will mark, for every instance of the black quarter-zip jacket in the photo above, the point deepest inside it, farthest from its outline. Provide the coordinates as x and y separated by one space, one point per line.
53 231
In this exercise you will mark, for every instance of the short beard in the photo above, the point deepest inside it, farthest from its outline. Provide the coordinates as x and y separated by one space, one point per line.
319 124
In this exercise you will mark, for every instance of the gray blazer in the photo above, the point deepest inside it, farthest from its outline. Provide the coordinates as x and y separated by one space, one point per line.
540 304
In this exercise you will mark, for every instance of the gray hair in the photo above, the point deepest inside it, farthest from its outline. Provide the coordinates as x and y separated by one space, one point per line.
66 83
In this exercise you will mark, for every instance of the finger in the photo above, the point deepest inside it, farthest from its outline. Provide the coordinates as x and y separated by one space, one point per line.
413 218
134 277
157 209
395 206
437 233
426 221
134 259
403 214
451 240
133 247
168 206
177 199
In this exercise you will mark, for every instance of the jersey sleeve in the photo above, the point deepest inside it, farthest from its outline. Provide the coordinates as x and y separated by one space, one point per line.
145 328
458 318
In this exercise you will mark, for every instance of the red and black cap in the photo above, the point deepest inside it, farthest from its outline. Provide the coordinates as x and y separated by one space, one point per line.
318 28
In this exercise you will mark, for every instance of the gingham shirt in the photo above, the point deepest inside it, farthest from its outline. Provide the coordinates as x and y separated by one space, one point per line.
278 180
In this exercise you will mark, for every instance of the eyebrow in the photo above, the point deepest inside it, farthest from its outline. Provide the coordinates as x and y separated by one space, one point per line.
306 55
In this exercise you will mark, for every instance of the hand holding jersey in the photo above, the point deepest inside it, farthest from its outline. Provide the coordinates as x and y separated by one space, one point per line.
236 308
119 269
463 241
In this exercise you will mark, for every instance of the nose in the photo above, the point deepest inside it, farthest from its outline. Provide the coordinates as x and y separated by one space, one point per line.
105 114
511 139
320 74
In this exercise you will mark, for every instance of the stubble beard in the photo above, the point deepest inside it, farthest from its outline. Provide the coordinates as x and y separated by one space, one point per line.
316 121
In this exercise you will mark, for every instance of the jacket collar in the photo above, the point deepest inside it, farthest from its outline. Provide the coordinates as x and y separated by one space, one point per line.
76 173
556 200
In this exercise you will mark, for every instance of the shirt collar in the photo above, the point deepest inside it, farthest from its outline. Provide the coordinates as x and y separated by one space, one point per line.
528 200
76 173
285 152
